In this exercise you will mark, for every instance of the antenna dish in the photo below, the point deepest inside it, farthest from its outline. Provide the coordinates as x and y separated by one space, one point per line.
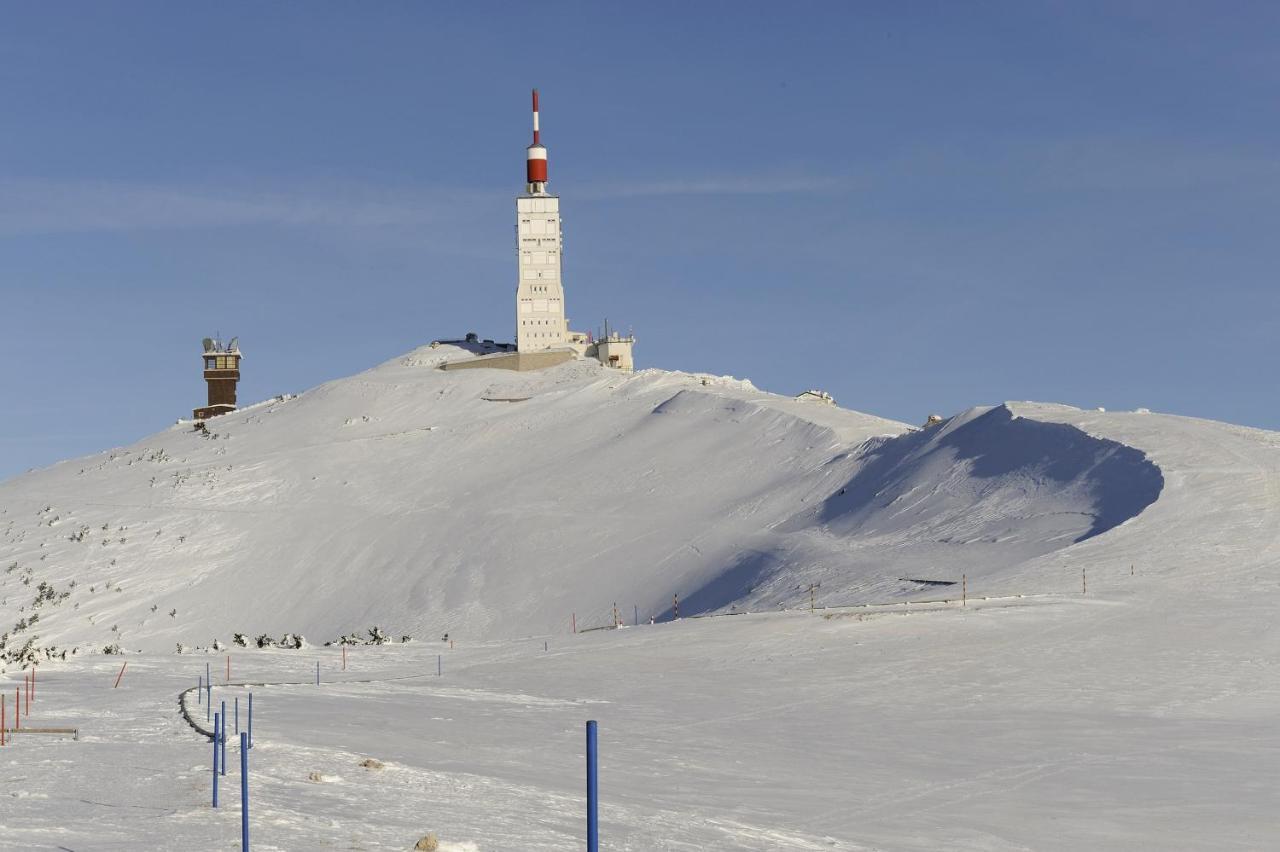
208 344
234 345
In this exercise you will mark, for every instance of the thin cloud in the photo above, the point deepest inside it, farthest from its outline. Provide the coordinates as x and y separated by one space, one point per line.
30 206
726 185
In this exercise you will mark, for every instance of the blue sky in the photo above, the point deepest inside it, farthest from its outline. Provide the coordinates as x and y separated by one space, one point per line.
917 206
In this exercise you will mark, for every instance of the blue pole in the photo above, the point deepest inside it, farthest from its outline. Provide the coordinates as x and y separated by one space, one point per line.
223 736
593 823
244 793
237 714
215 765
208 705
250 720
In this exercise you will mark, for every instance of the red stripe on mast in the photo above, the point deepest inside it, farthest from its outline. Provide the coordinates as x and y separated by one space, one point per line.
535 117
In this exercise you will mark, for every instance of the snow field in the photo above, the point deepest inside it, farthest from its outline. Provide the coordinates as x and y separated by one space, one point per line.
1139 715
1056 725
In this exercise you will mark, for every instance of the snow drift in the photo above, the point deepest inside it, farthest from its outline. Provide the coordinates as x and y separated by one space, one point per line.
487 503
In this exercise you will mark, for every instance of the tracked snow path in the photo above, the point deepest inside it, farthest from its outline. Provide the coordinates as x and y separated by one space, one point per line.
1066 723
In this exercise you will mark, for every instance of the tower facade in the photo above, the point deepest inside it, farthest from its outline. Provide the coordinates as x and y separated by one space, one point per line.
221 372
540 317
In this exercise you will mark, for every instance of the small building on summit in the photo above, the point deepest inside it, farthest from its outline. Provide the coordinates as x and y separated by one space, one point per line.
816 395
613 350
222 373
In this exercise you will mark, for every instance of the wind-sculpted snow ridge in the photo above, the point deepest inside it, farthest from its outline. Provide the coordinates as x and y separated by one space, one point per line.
490 503
1031 478
977 494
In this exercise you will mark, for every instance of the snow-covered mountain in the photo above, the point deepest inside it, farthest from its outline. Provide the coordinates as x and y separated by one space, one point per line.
1107 684
486 503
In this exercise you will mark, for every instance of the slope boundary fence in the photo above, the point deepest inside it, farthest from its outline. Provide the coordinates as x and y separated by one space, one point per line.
926 605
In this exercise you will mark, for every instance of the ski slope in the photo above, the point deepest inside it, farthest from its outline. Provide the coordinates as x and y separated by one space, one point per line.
1108 683
487 504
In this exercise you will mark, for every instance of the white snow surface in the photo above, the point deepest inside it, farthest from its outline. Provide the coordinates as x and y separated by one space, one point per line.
488 504
1137 713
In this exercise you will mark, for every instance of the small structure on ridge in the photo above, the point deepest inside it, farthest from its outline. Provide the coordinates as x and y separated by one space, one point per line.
221 372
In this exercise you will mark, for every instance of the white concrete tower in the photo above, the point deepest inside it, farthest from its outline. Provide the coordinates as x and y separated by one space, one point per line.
540 321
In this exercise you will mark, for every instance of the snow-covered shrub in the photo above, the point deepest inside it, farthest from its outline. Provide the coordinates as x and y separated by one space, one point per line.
240 639
113 648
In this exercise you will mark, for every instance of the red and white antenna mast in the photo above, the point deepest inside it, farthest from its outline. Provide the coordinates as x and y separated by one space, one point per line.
536 162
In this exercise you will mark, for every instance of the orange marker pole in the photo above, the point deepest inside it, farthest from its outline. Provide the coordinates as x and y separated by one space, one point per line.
2 698
122 668
33 680
17 709
28 692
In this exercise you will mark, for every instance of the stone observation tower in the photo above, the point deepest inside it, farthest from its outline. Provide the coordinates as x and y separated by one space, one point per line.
540 320
222 372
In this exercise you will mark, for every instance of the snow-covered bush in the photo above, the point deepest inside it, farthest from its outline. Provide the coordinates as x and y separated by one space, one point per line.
292 641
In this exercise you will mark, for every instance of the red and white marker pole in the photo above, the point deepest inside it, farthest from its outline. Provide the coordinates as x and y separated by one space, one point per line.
536 133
